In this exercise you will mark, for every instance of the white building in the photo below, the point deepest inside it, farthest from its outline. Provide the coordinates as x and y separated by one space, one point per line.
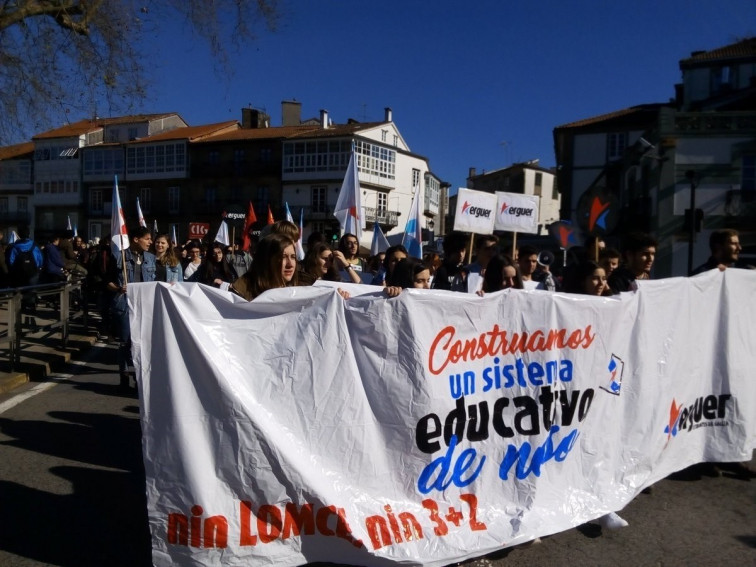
315 162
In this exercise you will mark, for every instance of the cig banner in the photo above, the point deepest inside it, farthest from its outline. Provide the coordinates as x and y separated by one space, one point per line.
301 427
476 211
517 213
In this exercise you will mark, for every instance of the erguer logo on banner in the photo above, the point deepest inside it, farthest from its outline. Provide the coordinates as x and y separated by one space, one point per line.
476 211
517 213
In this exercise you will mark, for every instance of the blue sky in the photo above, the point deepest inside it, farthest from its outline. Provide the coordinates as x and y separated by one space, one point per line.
472 84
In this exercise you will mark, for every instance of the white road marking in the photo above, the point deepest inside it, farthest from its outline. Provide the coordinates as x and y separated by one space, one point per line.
51 381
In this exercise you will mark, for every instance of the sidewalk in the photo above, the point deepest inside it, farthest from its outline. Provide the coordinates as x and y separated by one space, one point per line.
42 350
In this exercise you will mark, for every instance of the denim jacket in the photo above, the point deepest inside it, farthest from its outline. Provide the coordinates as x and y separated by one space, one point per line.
174 273
120 304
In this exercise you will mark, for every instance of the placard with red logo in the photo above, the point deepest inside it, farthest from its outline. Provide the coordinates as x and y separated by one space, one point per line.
517 213
475 211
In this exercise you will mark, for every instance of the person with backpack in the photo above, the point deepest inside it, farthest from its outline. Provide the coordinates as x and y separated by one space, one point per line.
24 260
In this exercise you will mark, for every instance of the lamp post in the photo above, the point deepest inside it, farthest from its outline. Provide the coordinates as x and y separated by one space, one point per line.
693 178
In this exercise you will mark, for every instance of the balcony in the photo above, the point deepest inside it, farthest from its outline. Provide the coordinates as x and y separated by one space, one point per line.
383 217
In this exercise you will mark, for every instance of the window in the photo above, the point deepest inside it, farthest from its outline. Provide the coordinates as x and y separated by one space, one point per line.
384 135
213 157
263 194
239 156
174 195
95 200
133 133
415 177
616 144
722 79
22 204
325 156
154 159
382 204
319 198
95 230
145 199
113 136
3 204
266 155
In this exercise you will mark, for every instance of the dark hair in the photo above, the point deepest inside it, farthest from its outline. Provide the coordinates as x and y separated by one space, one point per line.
343 239
574 279
390 252
138 232
265 272
609 253
208 267
492 278
23 231
635 241
405 271
311 264
721 237
483 238
455 242
526 250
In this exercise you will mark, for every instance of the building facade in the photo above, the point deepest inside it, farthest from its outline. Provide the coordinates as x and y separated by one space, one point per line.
678 170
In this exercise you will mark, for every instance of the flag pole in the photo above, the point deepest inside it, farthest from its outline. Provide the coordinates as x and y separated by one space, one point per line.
470 251
233 236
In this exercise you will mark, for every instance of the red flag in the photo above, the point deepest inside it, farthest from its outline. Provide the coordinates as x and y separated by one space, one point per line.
248 222
270 216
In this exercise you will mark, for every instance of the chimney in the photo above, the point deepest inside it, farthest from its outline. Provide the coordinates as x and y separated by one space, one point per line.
254 118
323 118
246 118
291 112
471 172
389 115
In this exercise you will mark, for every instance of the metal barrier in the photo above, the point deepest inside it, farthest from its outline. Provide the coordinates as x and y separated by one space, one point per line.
20 322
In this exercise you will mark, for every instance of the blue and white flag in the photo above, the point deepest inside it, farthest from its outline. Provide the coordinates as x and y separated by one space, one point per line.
13 237
380 244
154 227
413 231
174 239
68 224
76 230
349 206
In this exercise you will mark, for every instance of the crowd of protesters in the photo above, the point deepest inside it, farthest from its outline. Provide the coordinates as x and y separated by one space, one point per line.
593 269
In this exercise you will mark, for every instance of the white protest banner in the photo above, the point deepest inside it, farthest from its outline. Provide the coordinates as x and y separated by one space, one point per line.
476 211
517 213
301 427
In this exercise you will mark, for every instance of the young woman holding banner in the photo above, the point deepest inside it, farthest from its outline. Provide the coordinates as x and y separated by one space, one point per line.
274 266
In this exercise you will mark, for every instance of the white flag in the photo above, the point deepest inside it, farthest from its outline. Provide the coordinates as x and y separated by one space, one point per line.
348 205
222 235
298 243
140 216
380 243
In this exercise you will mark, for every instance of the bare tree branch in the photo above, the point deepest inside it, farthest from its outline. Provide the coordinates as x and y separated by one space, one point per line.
60 56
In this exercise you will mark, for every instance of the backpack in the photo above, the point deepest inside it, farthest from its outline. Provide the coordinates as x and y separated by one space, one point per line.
24 267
